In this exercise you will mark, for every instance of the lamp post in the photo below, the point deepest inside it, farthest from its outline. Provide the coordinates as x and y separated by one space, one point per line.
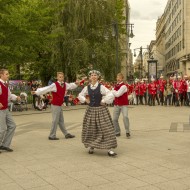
152 68
131 26
141 59
115 33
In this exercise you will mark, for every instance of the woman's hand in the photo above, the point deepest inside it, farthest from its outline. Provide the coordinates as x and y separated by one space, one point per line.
1 105
87 101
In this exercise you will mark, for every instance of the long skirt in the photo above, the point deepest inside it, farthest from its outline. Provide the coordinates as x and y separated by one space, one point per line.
98 130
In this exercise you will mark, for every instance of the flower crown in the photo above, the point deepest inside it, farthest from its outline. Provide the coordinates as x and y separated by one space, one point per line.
94 72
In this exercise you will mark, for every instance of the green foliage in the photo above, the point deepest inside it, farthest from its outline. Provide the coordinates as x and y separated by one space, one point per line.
40 37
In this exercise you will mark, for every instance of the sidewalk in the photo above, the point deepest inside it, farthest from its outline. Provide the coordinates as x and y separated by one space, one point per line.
154 158
31 110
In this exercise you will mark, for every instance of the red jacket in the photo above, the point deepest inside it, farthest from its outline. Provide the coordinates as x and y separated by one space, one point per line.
161 84
185 87
3 96
122 100
152 88
179 86
142 89
137 89
58 97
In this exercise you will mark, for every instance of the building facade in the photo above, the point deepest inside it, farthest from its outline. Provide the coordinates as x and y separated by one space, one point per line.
127 61
177 37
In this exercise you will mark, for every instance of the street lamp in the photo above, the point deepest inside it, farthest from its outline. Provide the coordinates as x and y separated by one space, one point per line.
141 57
115 33
131 26
152 68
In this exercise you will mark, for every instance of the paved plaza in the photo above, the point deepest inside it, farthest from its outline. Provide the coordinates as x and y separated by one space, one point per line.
156 157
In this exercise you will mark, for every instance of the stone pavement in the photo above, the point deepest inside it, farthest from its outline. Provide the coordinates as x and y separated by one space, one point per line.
156 157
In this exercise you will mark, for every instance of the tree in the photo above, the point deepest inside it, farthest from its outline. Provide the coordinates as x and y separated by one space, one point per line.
84 31
41 37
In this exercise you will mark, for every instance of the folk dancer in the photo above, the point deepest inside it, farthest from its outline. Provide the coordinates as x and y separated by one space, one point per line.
152 90
7 125
161 86
58 90
98 129
121 105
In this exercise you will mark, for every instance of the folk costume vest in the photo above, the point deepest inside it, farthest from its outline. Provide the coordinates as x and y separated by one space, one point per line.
122 100
95 96
3 96
58 97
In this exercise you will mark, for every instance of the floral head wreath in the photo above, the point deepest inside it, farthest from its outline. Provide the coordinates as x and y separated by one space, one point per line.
94 72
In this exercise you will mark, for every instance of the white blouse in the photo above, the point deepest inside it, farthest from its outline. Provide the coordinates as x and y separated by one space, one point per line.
107 98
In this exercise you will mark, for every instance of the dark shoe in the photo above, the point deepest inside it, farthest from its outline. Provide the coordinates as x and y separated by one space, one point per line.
69 136
118 135
111 153
53 138
91 151
128 135
6 148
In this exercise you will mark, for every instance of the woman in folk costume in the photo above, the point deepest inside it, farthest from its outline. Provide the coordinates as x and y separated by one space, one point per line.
98 130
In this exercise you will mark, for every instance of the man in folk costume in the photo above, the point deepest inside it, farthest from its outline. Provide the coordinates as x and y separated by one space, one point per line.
188 90
7 125
121 105
173 80
152 89
161 86
98 130
58 92
130 92
185 87
178 87
145 89
142 90
136 91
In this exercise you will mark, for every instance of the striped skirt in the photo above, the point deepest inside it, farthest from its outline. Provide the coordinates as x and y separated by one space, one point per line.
98 130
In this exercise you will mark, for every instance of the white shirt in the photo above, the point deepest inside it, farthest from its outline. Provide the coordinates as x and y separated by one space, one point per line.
123 89
12 97
188 85
107 95
53 88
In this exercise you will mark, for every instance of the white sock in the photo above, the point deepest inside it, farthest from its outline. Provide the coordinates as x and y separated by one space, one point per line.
111 152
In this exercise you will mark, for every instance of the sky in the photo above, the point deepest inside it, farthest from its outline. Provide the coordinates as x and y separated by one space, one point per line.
144 14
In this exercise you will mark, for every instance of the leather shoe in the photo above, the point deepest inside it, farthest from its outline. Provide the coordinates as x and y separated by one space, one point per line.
111 154
91 151
128 135
53 138
6 148
69 136
118 135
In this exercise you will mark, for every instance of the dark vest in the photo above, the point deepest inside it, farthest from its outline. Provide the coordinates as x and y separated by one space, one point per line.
95 96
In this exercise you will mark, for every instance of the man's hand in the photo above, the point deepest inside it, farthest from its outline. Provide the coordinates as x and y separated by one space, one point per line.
1 105
77 82
18 98
33 92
